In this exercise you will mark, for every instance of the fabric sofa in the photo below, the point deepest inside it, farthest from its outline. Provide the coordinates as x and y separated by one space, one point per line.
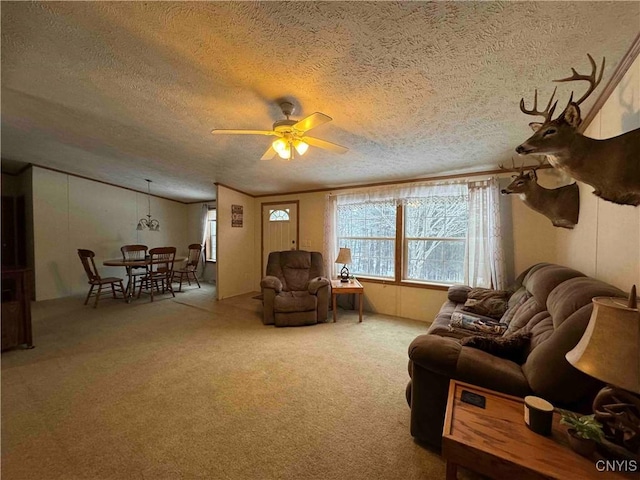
294 290
550 302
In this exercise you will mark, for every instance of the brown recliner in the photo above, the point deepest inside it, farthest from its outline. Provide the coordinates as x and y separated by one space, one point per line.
294 290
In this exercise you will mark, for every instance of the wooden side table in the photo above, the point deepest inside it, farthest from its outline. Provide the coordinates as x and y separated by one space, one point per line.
337 288
495 441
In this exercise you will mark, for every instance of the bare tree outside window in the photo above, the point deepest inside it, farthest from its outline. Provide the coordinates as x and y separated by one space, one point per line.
435 238
369 230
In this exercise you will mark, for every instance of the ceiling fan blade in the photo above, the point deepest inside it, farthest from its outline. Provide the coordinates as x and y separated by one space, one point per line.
269 154
316 142
219 131
312 121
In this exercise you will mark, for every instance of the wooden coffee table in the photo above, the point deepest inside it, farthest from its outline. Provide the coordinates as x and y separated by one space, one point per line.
496 442
338 287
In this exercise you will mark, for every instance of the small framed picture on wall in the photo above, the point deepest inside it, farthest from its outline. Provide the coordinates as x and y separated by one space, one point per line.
236 216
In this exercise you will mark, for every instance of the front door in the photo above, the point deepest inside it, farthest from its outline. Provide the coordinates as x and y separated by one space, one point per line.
279 228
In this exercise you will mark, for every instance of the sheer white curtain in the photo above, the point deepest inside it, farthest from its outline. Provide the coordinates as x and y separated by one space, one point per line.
402 192
204 212
484 255
330 248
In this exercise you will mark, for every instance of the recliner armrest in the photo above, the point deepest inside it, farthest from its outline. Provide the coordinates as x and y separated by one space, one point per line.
317 283
271 282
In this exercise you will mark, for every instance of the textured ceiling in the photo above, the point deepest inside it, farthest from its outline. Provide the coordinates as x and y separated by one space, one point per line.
120 92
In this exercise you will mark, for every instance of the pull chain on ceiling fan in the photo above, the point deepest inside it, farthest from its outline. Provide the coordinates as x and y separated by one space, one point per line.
291 135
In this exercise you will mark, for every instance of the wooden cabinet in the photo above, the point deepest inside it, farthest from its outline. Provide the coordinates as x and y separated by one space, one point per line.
16 308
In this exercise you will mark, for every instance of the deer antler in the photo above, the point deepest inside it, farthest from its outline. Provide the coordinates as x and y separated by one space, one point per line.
593 83
513 166
534 111
540 164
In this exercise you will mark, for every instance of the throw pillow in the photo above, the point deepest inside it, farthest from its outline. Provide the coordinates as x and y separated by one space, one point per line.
458 293
513 347
487 302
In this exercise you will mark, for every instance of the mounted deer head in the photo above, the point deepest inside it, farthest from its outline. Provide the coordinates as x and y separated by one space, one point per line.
611 166
560 205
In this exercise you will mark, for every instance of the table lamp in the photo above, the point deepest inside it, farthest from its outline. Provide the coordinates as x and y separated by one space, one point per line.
344 257
609 350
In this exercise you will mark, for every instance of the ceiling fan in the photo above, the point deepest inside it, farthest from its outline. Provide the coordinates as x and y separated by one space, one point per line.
291 135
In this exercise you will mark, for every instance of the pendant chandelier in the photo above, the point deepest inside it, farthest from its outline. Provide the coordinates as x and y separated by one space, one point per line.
149 223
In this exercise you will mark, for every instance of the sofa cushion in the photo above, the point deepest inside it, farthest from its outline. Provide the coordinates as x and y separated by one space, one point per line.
513 305
513 347
525 313
540 327
547 370
541 281
486 302
576 293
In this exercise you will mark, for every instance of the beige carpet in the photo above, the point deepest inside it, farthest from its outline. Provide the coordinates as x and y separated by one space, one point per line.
194 388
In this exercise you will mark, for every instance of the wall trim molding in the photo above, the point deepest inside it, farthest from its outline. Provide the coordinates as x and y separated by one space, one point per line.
622 68
218 184
400 182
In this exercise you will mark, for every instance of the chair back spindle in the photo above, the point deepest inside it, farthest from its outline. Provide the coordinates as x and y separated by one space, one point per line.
134 252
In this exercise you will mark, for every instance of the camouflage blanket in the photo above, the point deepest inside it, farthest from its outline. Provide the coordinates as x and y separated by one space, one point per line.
475 325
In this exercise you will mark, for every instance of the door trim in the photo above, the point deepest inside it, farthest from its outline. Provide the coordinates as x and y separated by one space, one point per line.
265 204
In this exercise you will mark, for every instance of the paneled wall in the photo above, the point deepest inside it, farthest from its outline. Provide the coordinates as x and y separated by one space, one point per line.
71 213
236 245
606 241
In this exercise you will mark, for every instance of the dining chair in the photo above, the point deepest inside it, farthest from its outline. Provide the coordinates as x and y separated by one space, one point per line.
86 257
135 274
159 271
195 250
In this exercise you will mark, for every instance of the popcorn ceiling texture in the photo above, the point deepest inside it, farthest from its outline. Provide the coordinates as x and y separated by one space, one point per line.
120 92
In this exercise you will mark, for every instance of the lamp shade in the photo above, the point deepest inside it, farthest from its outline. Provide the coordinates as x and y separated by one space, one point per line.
609 350
344 256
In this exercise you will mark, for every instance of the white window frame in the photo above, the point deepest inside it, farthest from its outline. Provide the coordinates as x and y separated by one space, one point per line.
211 241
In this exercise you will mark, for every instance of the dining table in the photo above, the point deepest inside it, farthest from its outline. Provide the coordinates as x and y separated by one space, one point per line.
130 265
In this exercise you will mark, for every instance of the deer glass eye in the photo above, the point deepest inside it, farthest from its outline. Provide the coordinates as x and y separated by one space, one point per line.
549 131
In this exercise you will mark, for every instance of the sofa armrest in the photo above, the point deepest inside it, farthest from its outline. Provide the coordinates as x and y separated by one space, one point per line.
317 283
435 353
271 282
486 370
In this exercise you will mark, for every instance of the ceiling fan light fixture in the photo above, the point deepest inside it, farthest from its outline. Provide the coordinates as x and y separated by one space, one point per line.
282 147
301 147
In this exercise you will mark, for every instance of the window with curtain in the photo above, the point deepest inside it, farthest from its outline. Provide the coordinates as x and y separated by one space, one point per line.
450 233
435 237
369 230
210 241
